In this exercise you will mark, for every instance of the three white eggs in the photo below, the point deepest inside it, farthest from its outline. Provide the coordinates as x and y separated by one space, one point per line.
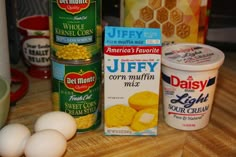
52 130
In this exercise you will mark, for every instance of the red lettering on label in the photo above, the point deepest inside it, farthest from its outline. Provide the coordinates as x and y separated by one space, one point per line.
188 83
80 82
73 6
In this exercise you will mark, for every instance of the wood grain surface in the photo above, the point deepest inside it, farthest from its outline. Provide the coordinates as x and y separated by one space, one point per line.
218 139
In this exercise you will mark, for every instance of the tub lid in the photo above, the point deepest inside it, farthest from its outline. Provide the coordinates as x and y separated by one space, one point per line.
192 57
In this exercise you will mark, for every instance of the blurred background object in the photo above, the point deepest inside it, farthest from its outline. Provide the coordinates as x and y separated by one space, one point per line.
13 36
222 25
17 9
31 36
111 12
4 52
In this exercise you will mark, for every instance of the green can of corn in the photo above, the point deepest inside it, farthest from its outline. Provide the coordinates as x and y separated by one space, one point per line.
75 28
76 88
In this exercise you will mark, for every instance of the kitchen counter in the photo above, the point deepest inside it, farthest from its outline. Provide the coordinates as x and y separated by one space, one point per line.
218 139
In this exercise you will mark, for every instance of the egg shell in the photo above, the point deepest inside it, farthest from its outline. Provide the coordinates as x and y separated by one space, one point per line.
46 143
13 138
58 120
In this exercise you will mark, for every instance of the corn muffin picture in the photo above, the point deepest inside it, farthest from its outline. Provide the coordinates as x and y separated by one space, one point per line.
145 119
119 115
142 100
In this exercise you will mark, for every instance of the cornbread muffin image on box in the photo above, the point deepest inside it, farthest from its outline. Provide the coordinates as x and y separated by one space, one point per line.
143 99
145 119
119 115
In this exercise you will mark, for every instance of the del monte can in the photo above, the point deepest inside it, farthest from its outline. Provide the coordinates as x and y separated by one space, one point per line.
76 30
76 90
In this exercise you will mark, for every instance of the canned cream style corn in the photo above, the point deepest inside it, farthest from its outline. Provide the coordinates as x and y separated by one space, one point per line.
76 90
189 77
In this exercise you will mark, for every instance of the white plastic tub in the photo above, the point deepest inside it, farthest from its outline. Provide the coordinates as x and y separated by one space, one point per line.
189 77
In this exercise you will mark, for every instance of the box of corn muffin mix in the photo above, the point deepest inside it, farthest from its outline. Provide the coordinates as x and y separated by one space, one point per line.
132 62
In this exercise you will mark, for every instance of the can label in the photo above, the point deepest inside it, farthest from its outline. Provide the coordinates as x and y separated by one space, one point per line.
77 23
76 90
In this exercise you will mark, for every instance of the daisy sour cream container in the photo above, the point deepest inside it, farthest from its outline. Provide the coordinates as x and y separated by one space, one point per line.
189 77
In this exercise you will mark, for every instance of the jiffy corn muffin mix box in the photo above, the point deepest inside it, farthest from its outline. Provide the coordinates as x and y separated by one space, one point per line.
132 62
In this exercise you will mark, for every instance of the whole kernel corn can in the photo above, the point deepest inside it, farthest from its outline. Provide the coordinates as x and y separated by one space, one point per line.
76 90
75 29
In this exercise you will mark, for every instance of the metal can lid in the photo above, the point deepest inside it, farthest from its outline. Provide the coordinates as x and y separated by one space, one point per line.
192 57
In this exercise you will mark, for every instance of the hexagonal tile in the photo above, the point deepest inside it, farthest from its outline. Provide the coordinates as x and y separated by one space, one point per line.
139 23
183 30
146 14
162 15
170 4
168 29
154 24
154 4
176 16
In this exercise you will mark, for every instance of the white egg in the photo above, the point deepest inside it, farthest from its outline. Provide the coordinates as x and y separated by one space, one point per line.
46 143
58 120
13 138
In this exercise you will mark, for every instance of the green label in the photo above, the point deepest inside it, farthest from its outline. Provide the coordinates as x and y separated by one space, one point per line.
78 95
74 22
78 89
